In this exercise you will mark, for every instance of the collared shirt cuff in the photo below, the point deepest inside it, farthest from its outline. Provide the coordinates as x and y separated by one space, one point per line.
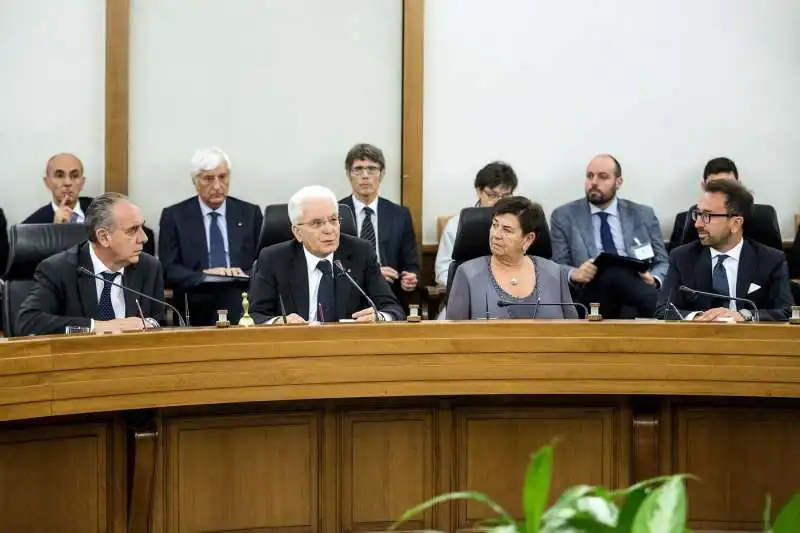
386 317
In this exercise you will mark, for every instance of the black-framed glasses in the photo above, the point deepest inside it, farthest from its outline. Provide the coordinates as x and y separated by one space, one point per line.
707 217
371 170
494 195
318 223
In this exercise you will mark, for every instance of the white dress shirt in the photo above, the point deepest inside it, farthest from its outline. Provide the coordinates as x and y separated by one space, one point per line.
76 211
731 265
613 222
359 214
117 294
314 278
222 224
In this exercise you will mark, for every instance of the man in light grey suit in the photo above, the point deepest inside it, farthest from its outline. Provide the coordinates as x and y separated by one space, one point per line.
601 222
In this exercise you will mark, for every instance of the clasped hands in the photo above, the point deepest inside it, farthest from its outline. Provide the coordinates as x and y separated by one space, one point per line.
365 315
118 325
225 271
587 271
718 313
408 280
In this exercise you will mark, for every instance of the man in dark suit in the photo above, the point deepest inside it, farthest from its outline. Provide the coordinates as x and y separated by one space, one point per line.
762 223
724 262
603 223
385 224
64 179
207 243
3 243
301 279
62 296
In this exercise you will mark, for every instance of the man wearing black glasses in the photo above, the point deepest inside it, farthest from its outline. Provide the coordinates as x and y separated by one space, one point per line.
722 261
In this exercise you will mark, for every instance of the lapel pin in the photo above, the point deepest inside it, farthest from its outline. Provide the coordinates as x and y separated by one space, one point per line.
239 224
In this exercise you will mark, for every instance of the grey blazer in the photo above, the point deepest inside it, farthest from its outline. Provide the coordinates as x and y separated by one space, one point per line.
474 293
572 234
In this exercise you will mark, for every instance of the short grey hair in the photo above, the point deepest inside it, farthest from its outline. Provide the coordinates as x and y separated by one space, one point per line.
313 192
206 159
100 214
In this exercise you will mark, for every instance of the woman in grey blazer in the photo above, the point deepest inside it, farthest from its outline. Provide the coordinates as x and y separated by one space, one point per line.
508 275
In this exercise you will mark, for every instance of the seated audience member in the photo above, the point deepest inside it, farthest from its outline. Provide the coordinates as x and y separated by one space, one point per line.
794 257
602 222
509 275
383 223
62 296
725 262
761 224
494 181
64 179
210 234
302 280
3 243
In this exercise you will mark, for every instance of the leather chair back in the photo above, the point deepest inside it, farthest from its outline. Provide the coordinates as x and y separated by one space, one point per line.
277 227
30 244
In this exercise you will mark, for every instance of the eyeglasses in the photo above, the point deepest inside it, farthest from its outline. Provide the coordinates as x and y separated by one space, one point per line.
371 170
209 180
491 195
318 223
706 217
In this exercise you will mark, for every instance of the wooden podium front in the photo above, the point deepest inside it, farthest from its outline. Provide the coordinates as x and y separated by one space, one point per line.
341 428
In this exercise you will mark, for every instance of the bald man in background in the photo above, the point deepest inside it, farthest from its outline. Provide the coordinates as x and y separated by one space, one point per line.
64 178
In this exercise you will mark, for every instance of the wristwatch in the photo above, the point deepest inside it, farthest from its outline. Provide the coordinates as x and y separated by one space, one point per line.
747 315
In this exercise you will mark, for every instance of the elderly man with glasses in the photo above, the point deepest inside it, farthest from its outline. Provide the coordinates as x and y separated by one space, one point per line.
319 276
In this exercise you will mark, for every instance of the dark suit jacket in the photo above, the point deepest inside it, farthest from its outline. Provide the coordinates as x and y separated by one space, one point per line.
282 269
794 257
761 226
690 265
183 248
3 243
396 239
62 297
44 215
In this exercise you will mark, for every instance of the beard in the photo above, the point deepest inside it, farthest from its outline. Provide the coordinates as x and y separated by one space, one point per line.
596 196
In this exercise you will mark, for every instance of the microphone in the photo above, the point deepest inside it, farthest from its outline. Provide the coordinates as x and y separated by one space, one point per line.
283 307
695 292
671 306
186 309
503 303
83 270
338 264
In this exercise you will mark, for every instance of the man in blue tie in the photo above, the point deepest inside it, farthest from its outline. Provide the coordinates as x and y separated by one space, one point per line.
207 238
603 223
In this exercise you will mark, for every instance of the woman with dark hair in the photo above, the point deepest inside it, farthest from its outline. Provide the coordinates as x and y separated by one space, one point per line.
510 276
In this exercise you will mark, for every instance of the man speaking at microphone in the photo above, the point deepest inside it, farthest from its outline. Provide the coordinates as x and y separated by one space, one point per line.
320 276
82 286
724 262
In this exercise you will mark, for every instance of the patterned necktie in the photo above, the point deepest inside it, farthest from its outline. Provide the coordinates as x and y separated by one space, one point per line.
105 309
606 238
719 279
367 229
74 218
326 295
216 252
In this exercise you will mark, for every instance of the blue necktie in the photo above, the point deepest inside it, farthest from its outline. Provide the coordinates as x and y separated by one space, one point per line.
367 229
74 218
326 296
719 279
216 252
105 310
606 239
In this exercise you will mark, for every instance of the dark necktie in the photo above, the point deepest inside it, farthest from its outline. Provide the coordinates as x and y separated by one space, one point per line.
216 252
326 295
105 310
367 229
719 279
606 239
74 218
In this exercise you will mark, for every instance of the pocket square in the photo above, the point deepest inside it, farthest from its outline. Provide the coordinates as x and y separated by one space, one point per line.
753 288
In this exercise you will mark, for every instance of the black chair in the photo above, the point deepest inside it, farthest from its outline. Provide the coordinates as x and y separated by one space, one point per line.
30 244
472 240
277 227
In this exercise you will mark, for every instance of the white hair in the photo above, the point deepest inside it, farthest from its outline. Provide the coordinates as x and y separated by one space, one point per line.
306 194
206 159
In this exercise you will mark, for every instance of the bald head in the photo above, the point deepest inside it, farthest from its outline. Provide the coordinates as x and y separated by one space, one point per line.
64 178
603 178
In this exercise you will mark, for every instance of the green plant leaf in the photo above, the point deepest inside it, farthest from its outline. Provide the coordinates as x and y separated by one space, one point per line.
788 519
768 514
585 523
537 488
463 495
663 510
633 501
650 482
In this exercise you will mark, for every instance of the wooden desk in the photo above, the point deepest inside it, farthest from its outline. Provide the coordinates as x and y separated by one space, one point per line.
342 427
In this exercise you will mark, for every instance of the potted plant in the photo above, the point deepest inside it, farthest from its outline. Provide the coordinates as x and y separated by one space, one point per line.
656 505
